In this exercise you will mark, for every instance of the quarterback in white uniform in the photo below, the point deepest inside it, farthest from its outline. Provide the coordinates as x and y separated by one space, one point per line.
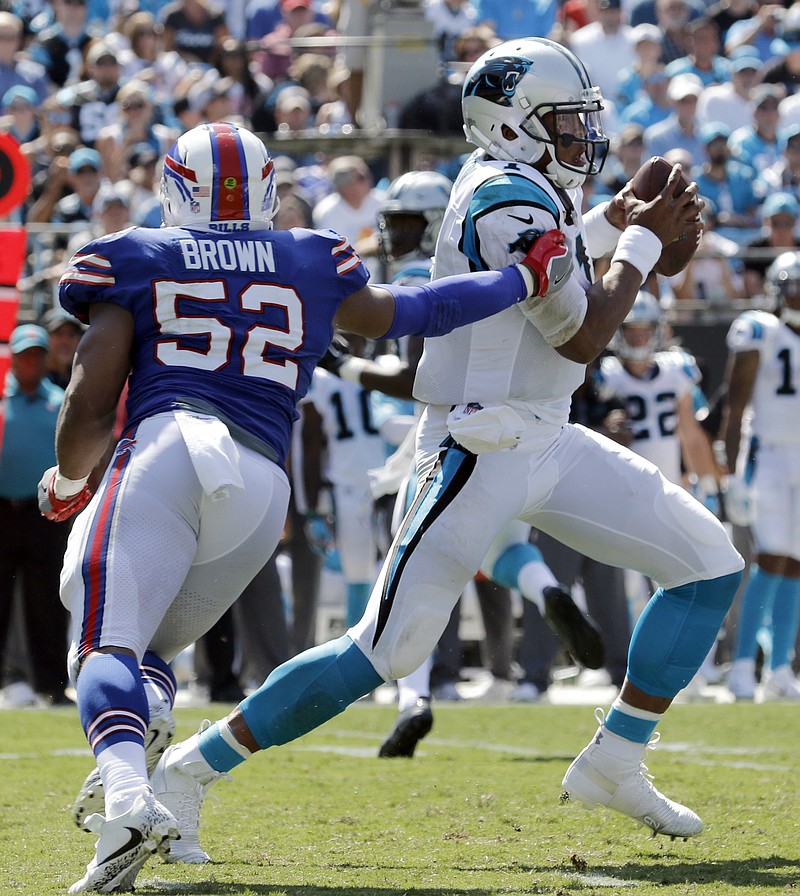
762 441
498 447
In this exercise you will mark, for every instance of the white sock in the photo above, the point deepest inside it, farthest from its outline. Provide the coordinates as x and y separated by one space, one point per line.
533 578
124 773
414 686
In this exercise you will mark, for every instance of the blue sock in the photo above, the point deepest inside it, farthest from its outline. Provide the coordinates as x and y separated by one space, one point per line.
158 674
308 690
785 620
357 597
757 601
630 722
675 632
111 701
507 567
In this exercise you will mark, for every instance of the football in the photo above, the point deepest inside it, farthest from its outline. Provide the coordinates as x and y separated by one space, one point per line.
646 184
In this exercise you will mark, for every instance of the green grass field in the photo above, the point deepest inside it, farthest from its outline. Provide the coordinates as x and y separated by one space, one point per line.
475 813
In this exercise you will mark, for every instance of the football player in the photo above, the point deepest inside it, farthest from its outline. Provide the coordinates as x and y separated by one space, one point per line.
216 322
762 446
494 446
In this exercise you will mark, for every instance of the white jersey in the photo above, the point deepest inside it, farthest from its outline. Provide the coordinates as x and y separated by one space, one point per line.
354 443
774 410
651 404
496 210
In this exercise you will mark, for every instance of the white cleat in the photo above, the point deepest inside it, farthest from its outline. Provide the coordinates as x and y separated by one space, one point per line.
780 684
125 844
181 785
91 797
742 679
590 781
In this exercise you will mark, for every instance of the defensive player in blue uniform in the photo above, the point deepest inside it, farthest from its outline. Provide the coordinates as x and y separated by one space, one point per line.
494 445
219 321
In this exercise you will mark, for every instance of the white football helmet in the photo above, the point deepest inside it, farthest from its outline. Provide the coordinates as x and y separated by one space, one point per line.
217 172
782 285
421 193
516 84
645 312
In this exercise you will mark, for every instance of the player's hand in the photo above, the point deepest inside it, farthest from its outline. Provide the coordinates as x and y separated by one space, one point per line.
737 498
62 508
318 532
335 356
549 260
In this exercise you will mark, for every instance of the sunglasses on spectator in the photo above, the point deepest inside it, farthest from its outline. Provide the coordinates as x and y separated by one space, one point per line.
131 105
74 2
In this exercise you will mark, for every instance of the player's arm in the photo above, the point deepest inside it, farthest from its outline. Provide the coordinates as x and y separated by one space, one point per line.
695 445
102 362
740 377
437 308
397 382
650 226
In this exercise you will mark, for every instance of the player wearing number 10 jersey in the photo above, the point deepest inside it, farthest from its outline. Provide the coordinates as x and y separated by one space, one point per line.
219 321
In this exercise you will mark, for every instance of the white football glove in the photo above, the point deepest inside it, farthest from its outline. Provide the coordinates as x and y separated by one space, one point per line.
738 497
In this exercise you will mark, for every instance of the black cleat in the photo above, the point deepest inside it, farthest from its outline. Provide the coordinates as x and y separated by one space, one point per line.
411 726
578 632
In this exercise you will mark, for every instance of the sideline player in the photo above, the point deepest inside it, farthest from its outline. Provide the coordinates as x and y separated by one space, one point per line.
219 320
762 444
507 452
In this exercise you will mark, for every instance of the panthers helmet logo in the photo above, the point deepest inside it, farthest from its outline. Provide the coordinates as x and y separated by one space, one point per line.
497 80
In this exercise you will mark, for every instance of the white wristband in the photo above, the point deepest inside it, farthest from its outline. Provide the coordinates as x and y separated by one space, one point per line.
351 369
66 488
527 276
639 247
601 235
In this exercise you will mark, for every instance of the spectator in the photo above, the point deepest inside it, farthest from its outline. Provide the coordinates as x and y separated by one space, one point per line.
783 67
652 106
757 144
92 103
64 333
293 112
646 11
727 182
605 46
672 18
647 61
727 12
759 31
195 29
137 123
352 208
276 55
703 58
679 129
19 118
517 18
264 15
142 36
729 102
783 175
141 185
31 549
450 19
625 159
250 86
438 108
59 48
83 176
15 67
779 215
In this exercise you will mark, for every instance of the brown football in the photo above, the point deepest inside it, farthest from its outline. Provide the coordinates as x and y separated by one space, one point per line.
646 184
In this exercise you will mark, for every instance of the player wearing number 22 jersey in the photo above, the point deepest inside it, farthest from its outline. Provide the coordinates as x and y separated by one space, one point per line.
216 323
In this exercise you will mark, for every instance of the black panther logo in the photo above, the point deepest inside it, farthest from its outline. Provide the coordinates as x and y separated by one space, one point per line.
497 80
524 240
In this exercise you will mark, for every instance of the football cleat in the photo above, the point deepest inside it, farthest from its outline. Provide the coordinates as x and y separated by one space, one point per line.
591 781
91 797
780 684
578 632
742 679
125 844
411 726
181 785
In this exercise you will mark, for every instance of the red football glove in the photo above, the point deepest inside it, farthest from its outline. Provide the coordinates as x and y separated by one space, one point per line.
59 509
549 258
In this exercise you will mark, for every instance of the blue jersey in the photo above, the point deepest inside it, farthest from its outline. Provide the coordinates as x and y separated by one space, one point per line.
228 322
